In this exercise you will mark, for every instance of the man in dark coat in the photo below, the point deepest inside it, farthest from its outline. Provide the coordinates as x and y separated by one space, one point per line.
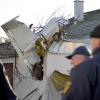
79 55
5 91
85 77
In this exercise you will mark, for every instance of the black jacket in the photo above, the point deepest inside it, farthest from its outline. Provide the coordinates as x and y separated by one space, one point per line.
5 91
85 80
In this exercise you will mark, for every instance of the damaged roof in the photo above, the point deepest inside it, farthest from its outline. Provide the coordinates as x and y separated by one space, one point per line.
84 28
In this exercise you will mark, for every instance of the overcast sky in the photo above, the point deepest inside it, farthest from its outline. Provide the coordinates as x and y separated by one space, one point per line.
38 11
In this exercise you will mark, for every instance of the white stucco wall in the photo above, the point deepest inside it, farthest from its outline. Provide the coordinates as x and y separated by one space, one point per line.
58 62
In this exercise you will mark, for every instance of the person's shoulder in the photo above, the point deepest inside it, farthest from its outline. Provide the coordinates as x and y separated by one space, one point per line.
87 62
96 58
84 67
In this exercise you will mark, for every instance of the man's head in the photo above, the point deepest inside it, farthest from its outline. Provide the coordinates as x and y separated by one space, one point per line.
79 55
95 37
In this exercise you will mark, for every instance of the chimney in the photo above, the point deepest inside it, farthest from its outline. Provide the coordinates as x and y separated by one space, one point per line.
78 11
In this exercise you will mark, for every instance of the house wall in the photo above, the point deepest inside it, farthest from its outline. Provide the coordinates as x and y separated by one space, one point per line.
58 62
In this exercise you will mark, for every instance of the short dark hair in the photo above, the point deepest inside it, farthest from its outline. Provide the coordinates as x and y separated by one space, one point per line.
96 32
